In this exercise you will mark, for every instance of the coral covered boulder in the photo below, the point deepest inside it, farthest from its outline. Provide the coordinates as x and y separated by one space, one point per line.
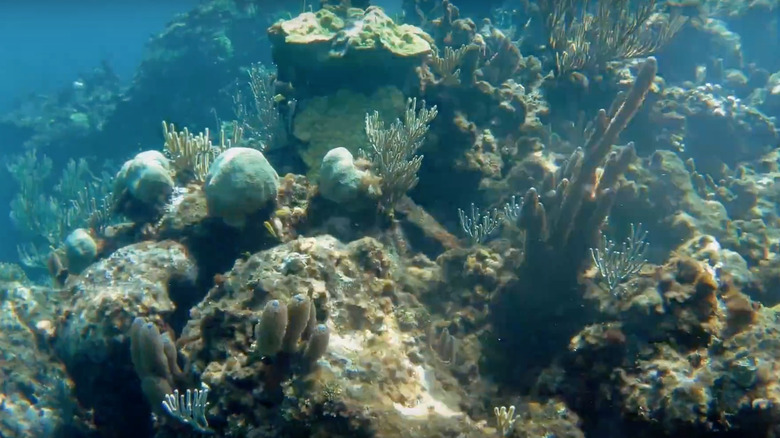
316 49
36 395
356 372
145 279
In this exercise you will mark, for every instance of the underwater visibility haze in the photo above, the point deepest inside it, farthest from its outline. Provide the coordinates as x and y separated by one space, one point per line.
414 219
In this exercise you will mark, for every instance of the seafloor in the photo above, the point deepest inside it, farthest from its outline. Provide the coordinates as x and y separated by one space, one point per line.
571 230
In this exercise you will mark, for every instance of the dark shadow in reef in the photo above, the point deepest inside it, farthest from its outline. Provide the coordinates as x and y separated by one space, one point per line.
215 246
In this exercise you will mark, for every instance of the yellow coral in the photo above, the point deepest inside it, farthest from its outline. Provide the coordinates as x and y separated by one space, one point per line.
338 120
361 30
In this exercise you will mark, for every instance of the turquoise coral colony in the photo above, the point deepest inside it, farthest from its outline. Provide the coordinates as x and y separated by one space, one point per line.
525 220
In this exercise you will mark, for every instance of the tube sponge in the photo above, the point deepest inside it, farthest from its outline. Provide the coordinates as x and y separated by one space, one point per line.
271 329
154 359
312 322
318 343
298 310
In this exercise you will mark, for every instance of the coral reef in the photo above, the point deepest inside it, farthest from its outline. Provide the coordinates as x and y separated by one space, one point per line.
303 274
561 222
686 114
687 350
353 289
146 279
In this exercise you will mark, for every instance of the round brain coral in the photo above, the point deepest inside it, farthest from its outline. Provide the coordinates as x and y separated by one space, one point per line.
240 182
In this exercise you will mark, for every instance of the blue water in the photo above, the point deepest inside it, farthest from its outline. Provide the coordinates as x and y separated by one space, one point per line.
45 46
